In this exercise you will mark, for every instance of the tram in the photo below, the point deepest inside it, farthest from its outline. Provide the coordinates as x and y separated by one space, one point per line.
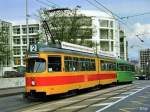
51 71
125 71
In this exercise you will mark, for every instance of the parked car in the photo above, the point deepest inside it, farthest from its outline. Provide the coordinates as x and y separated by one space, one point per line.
11 74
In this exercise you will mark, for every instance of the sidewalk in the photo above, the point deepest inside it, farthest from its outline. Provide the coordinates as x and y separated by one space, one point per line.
11 91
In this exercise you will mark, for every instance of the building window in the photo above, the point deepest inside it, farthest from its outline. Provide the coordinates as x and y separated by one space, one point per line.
24 49
111 34
32 40
104 45
112 46
33 29
103 33
16 50
24 30
103 23
16 30
24 60
24 40
16 40
111 24
17 60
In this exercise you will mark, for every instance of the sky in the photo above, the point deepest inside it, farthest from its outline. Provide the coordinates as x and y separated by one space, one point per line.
14 11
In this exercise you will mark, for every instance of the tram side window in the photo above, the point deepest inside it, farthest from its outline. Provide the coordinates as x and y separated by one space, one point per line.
120 67
69 64
107 66
54 63
123 67
92 65
79 64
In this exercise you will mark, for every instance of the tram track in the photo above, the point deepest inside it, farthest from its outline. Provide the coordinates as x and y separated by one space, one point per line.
55 110
122 89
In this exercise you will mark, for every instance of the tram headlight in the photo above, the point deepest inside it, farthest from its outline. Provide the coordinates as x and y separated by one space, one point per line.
33 83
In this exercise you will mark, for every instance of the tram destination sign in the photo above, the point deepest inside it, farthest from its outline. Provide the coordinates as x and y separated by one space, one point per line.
75 47
33 48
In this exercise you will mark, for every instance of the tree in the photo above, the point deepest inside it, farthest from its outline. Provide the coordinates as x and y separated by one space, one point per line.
5 51
68 25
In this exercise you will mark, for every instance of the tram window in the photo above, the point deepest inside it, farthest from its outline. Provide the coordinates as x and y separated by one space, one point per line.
129 67
123 67
35 65
79 64
114 66
107 66
54 63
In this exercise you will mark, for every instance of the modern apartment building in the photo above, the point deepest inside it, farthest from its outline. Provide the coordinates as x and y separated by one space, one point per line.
145 61
107 33
19 42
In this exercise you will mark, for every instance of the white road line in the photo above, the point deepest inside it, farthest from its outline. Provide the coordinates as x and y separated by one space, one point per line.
128 93
101 104
95 99
66 101
117 97
121 99
73 107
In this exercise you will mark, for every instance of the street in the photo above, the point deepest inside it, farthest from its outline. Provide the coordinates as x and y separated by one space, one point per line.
124 98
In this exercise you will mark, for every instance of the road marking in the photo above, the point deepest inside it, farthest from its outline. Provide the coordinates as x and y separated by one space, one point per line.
117 97
101 104
67 101
95 99
142 96
127 109
74 107
121 99
124 110
137 102
136 89
127 93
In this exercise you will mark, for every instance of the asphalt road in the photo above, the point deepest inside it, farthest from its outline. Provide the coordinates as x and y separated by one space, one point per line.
128 98
138 101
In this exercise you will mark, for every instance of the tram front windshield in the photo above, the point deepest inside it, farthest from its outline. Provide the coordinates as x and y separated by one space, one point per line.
35 65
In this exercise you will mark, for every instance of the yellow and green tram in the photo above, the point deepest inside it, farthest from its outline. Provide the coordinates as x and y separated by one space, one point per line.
53 71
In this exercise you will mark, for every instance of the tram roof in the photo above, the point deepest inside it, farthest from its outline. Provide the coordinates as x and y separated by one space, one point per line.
122 61
68 51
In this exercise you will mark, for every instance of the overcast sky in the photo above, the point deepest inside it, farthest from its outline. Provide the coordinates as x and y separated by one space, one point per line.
14 10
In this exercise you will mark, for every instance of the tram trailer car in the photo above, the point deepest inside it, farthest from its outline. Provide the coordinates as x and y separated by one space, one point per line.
54 71
125 71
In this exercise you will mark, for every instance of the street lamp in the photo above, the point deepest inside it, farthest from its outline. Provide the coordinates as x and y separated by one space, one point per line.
27 26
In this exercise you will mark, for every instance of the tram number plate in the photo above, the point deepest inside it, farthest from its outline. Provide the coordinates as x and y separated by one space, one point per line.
33 48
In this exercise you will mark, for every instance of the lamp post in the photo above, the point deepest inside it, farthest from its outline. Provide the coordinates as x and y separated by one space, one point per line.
27 26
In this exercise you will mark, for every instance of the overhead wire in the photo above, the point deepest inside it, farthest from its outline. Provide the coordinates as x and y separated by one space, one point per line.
53 3
43 3
126 17
116 17
107 11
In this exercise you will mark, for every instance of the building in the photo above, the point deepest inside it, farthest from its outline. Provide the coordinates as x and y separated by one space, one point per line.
145 61
107 33
19 42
